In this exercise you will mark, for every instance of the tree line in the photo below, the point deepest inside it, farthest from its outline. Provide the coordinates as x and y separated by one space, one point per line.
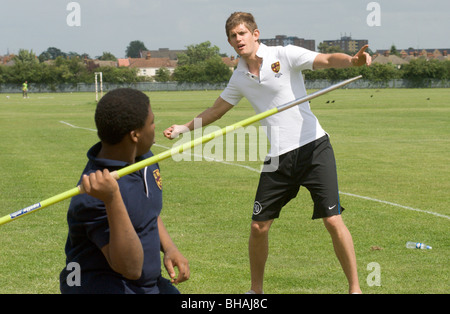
417 70
200 63
62 69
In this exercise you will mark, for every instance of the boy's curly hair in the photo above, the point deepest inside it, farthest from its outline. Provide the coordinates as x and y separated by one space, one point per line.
119 112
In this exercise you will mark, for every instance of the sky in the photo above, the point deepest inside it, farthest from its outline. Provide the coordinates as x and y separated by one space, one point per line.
110 25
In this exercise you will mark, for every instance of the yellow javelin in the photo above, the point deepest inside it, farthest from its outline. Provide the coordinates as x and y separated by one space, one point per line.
170 152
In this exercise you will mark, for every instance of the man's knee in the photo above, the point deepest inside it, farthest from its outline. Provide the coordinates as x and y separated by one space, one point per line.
260 228
334 223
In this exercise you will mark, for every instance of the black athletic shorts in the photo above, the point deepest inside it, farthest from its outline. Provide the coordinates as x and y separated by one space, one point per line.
314 167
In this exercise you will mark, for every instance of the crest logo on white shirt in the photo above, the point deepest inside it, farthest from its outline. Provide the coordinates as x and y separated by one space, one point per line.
276 67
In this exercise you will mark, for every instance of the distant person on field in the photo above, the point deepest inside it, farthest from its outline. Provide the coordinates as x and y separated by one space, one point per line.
25 89
269 77
116 233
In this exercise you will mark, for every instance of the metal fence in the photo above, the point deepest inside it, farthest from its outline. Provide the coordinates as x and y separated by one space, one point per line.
399 83
83 87
175 86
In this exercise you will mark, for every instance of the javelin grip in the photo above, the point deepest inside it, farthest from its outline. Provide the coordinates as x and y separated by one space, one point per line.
81 189
176 150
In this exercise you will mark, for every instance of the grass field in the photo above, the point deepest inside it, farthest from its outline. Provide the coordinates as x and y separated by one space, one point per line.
391 145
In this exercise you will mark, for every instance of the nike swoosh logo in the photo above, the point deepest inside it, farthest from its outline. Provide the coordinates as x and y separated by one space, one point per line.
331 207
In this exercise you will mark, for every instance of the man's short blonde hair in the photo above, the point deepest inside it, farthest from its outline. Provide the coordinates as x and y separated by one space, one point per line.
239 18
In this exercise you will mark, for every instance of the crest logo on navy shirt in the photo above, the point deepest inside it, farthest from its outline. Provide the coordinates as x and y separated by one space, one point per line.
158 179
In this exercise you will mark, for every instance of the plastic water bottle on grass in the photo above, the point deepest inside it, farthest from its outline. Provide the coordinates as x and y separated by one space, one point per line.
417 245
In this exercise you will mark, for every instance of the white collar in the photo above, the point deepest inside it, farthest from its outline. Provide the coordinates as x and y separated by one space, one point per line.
261 53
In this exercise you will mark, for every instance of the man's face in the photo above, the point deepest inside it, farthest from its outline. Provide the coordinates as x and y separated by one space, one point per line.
146 134
244 42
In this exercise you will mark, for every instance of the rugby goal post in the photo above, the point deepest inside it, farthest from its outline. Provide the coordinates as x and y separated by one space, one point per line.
97 75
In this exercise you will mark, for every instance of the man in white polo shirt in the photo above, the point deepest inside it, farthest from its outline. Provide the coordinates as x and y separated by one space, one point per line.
269 77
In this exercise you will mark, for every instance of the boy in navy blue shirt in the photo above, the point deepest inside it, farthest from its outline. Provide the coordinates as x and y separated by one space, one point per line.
115 231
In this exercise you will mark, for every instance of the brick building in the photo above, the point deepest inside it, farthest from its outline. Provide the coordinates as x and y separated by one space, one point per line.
347 44
283 40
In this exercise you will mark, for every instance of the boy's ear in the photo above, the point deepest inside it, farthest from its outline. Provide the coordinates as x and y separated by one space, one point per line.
134 136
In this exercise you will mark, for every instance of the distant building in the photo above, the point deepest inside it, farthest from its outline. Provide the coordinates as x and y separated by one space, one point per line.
410 53
231 62
93 64
162 53
7 60
149 65
283 40
386 59
347 44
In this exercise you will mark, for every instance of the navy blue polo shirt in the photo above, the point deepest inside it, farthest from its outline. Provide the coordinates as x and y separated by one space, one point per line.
89 231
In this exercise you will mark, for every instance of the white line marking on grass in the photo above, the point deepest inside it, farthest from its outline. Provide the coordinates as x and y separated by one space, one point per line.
256 170
77 127
165 147
396 205
212 159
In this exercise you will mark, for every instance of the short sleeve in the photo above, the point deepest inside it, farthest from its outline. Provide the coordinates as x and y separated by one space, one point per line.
91 214
300 58
231 93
